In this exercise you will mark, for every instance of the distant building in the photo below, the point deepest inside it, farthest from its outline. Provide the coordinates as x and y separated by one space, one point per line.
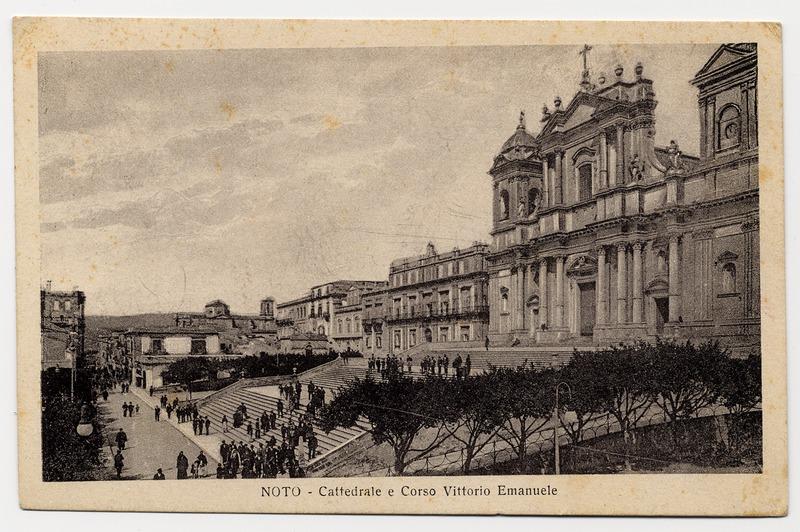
150 350
63 327
235 330
304 344
316 311
432 298
347 332
373 322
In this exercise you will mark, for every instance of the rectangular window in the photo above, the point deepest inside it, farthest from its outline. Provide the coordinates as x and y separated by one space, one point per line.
412 337
465 333
378 342
444 334
397 339
368 341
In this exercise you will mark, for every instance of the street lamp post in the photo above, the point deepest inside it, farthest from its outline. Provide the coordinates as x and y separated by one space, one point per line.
556 451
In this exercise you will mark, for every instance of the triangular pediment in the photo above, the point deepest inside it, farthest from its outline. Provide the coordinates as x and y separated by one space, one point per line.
579 111
724 55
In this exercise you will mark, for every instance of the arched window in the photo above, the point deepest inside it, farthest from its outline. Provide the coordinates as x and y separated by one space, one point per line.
533 201
729 278
585 182
728 128
348 325
503 204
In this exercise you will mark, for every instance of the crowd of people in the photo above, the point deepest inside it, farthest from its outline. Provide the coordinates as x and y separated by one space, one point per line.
440 365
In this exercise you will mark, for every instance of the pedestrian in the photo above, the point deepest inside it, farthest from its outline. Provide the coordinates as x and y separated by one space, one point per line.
121 438
250 429
151 395
182 465
159 474
105 395
280 408
202 462
312 446
467 366
119 462
208 425
157 413
224 423
486 342
194 426
137 409
220 471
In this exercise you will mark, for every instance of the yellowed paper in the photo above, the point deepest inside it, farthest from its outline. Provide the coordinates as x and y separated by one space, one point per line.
151 165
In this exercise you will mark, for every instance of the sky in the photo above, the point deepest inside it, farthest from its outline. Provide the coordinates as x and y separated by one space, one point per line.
172 178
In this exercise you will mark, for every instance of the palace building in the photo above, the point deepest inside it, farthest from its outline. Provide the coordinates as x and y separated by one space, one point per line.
434 297
599 235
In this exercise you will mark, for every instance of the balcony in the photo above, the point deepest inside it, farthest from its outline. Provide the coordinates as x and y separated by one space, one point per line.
430 314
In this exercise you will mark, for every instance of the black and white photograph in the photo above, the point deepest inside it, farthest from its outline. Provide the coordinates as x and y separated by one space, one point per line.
470 271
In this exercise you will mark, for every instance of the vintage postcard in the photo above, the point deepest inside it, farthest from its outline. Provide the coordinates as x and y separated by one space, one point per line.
400 266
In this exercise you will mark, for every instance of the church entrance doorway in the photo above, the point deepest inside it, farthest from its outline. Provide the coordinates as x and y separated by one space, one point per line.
428 335
587 308
662 313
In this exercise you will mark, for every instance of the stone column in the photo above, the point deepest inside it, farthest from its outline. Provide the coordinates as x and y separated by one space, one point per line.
559 319
602 291
637 283
620 145
603 160
520 310
543 317
674 280
545 182
622 283
744 104
559 180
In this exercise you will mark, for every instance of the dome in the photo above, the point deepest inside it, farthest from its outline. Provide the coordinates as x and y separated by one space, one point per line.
521 138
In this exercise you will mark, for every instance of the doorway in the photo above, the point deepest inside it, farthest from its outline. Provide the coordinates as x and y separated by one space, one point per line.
587 308
428 335
662 313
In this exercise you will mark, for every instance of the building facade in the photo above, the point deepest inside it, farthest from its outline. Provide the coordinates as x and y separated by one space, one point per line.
149 351
316 311
347 332
599 235
63 326
432 298
235 330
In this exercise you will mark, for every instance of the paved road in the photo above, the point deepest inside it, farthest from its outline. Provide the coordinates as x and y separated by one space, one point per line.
151 444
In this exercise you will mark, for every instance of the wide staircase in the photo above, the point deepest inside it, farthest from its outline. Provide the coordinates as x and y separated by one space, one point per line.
257 403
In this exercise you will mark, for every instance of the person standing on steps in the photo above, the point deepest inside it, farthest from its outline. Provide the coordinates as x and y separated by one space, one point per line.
208 425
159 474
224 423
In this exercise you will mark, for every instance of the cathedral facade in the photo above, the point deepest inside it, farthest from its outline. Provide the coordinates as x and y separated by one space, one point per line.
600 236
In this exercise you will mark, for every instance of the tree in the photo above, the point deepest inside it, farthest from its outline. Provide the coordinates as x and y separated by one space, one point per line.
187 370
472 408
527 398
624 387
397 410
740 392
585 395
740 387
65 455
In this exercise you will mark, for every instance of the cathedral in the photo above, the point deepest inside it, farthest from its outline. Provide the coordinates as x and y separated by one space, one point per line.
600 235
